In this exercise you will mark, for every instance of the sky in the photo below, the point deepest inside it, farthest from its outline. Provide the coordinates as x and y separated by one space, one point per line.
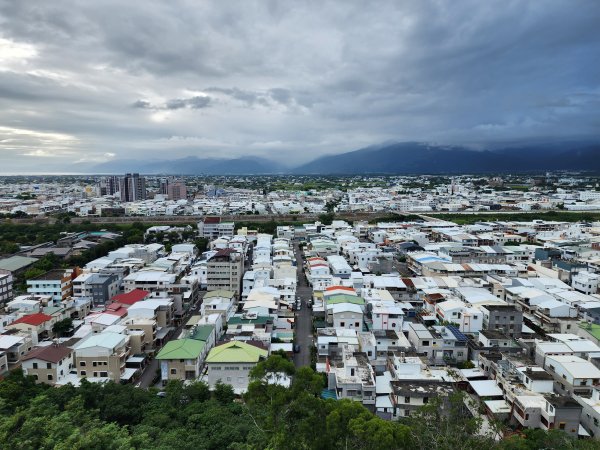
86 82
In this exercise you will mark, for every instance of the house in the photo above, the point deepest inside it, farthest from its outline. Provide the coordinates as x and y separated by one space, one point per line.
131 297
180 359
573 375
231 363
504 318
102 356
219 301
352 377
15 346
38 324
213 227
50 364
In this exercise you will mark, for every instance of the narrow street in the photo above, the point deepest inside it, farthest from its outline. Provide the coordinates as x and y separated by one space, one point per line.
149 372
304 336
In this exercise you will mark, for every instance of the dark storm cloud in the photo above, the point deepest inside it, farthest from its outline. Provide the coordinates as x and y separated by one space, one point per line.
196 102
293 81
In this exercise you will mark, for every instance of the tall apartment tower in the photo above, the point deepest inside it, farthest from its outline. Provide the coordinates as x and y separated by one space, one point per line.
109 185
177 190
132 187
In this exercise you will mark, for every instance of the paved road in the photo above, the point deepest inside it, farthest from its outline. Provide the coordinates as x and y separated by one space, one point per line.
150 370
304 335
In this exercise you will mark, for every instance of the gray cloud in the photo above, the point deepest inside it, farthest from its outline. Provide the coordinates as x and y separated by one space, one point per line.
197 102
286 82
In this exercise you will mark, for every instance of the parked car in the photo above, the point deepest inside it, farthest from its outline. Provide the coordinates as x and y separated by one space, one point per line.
296 348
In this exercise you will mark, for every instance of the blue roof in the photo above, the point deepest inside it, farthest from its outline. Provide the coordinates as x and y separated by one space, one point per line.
457 333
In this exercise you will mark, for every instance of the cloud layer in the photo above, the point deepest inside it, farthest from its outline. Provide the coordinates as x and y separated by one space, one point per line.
91 81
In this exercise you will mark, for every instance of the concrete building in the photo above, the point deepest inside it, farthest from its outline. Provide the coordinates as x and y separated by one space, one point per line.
99 287
102 356
50 364
224 271
231 364
57 283
6 287
132 187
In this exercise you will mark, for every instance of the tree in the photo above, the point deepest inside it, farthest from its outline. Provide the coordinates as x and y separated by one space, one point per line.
223 393
62 326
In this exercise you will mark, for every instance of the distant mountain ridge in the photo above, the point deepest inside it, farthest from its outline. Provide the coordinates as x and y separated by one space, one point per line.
397 158
419 158
193 165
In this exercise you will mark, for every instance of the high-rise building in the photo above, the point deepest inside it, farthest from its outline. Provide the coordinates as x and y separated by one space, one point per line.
177 190
132 187
225 271
109 185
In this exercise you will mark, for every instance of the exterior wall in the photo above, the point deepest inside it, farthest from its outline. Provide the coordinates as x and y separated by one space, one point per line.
6 287
348 320
41 370
234 374
179 369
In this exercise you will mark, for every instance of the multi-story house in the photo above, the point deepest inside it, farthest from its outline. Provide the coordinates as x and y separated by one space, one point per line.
102 356
99 287
231 363
50 364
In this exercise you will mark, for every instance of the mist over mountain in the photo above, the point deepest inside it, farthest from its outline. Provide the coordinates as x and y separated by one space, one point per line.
396 158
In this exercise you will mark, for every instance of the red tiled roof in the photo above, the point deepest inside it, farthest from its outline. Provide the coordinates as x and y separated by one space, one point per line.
212 220
131 297
33 319
335 288
51 353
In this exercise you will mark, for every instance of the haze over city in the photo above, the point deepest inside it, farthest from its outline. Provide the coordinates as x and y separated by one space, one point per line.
83 84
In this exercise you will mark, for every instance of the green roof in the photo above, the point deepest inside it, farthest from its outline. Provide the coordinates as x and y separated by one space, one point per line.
236 352
181 349
591 328
345 298
219 293
15 263
202 332
260 320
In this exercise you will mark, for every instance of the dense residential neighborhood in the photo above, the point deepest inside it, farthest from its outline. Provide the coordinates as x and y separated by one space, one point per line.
393 314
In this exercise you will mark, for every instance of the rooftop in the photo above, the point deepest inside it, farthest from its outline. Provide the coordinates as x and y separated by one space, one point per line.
181 349
234 352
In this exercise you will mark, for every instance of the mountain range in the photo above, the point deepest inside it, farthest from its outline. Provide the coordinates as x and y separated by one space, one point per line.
396 158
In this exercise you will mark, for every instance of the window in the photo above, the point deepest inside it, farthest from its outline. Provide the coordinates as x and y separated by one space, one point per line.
406 399
561 426
83 373
48 365
35 365
82 363
50 377
342 324
425 400
104 374
173 371
425 343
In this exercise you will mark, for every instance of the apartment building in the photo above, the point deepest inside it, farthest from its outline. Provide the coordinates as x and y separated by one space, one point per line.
225 271
57 283
6 287
99 287
132 187
213 228
504 318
